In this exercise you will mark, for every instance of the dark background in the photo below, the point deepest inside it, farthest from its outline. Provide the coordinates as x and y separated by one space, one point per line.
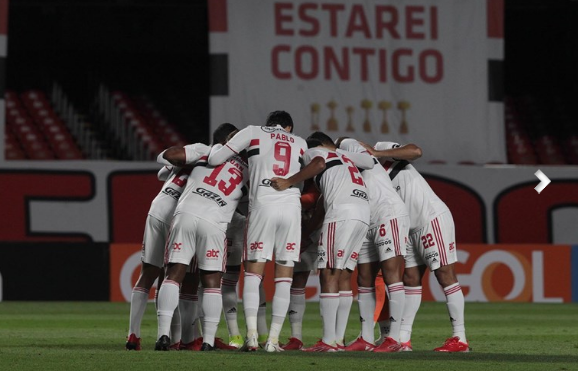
160 48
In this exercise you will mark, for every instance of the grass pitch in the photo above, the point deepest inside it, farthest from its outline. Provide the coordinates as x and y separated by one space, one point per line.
91 336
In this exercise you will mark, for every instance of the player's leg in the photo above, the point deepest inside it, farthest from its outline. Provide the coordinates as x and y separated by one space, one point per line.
443 232
297 310
280 304
168 301
212 306
188 307
344 308
154 240
413 291
262 329
393 234
138 302
287 249
230 300
329 304
366 273
178 255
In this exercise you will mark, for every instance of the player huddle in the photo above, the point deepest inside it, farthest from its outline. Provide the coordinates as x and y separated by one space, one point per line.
316 204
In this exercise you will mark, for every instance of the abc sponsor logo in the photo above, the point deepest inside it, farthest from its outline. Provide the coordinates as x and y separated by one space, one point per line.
290 246
253 246
212 254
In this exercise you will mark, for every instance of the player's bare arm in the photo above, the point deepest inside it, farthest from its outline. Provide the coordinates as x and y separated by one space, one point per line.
174 156
407 152
316 166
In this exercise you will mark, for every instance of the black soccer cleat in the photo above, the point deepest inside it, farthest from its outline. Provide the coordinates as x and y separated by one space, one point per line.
206 347
163 343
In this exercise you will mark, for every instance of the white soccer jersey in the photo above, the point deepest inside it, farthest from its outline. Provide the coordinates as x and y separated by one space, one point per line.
422 203
343 188
213 193
382 196
163 205
272 152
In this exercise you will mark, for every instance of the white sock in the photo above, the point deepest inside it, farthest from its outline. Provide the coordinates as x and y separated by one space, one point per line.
212 307
345 301
176 326
229 292
262 312
280 306
455 303
328 305
168 301
396 305
138 304
296 311
251 301
412 303
188 308
366 302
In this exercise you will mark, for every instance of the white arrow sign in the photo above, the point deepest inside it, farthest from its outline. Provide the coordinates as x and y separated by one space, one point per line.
544 181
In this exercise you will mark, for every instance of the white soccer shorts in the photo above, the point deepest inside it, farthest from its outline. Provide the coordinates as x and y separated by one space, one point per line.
433 245
273 230
339 244
386 240
154 241
192 236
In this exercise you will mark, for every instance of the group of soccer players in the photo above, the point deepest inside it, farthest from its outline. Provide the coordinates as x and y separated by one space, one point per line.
326 204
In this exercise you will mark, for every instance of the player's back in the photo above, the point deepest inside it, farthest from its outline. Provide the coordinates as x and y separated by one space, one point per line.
382 194
422 202
344 191
273 152
213 193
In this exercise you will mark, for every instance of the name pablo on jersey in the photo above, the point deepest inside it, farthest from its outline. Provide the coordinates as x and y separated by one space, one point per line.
281 136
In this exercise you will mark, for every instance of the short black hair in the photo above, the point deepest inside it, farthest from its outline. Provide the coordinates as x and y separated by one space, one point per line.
222 132
312 143
322 138
281 118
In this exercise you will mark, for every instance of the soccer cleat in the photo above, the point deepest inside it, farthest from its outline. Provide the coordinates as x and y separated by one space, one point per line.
359 345
236 341
206 347
340 347
133 343
406 347
219 344
388 346
452 345
320 346
250 344
272 347
176 346
163 343
193 345
293 344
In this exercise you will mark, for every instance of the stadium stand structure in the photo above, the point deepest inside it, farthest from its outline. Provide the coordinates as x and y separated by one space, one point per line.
35 131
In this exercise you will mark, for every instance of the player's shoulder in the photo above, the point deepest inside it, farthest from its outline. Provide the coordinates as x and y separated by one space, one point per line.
351 145
199 147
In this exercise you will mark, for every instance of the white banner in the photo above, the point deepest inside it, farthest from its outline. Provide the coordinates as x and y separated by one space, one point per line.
406 71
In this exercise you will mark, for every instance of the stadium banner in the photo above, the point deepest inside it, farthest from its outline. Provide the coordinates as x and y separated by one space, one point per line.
108 201
487 273
54 271
422 71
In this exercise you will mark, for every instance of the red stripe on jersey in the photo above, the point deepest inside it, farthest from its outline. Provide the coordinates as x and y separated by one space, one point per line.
387 164
254 142
440 241
301 152
232 149
204 158
332 155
